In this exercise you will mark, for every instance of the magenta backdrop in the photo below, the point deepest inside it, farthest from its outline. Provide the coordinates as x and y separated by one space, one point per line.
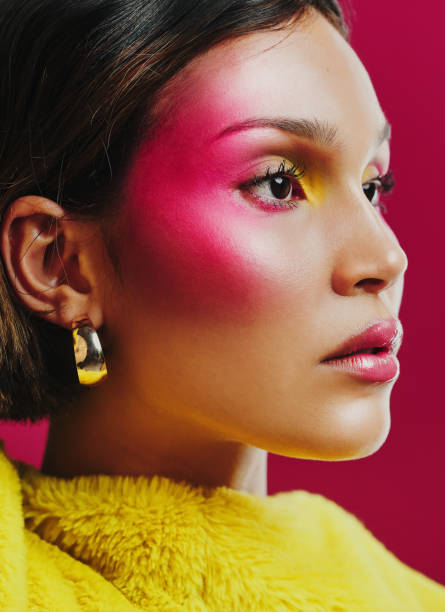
398 492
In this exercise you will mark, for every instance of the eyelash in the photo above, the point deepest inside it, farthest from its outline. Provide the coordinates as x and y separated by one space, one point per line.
293 171
384 185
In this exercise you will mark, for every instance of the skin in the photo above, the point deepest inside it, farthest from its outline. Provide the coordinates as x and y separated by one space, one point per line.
215 329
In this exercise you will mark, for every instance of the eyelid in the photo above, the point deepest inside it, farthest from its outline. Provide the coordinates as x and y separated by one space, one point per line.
374 169
284 167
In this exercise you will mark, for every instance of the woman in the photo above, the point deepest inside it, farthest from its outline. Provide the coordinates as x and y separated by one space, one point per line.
201 184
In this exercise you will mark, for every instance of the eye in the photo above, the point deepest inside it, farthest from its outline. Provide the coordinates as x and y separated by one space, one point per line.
373 189
278 189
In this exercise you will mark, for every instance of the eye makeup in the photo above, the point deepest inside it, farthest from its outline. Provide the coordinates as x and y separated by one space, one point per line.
283 184
380 185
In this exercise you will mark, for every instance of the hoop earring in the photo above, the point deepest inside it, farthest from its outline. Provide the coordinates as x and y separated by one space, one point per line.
88 354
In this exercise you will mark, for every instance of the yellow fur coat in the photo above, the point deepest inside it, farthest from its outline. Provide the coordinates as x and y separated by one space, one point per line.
119 543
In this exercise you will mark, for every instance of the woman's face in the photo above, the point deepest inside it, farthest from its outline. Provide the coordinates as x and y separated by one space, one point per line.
237 283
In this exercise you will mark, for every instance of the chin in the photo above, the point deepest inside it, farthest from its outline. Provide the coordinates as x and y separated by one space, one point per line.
352 431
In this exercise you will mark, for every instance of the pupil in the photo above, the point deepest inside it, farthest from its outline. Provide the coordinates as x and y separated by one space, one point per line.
370 191
281 187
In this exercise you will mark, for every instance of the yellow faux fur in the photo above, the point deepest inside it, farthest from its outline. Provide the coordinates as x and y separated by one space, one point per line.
120 543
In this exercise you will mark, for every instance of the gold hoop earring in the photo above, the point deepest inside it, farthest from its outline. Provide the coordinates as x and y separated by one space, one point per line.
88 354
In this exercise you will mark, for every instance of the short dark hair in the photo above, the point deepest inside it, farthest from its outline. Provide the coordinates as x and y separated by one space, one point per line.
76 80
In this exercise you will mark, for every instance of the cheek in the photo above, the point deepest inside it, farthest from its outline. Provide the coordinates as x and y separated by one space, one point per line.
182 254
191 246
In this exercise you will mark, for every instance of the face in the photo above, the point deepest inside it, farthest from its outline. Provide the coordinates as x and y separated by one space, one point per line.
252 248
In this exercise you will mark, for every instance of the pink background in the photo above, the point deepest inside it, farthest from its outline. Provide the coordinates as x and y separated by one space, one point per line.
398 492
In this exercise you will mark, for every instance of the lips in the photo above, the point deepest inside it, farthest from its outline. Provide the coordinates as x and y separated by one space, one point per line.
382 336
370 355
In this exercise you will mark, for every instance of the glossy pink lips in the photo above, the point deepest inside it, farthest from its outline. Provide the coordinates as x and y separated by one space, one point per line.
370 355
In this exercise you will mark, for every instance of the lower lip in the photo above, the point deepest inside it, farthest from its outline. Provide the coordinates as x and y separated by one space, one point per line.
378 367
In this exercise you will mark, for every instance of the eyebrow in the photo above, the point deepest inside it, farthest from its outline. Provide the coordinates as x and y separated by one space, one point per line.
321 133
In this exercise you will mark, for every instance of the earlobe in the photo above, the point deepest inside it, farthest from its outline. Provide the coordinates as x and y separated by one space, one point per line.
41 257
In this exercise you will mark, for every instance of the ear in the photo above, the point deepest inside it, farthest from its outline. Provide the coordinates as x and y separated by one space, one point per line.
52 260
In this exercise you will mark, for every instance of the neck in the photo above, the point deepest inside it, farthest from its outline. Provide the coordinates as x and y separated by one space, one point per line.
103 435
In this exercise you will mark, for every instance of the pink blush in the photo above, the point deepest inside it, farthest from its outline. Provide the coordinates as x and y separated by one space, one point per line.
189 244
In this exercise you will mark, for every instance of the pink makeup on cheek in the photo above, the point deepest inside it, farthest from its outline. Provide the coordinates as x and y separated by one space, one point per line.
187 244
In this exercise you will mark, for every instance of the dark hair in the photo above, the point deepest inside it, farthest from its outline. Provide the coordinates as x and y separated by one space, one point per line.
76 80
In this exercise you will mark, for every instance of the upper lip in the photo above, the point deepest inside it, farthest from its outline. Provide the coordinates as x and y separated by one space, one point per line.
381 335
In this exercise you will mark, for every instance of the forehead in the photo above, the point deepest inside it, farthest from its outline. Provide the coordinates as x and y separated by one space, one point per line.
305 70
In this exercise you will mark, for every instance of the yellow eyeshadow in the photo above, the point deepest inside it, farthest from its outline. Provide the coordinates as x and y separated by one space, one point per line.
313 188
370 173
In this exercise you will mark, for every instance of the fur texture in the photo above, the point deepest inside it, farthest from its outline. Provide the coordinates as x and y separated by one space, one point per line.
119 543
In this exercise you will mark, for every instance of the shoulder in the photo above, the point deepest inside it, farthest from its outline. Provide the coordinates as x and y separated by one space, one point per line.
343 541
332 527
12 540
34 570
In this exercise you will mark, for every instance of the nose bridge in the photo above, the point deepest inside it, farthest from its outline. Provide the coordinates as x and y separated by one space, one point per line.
369 256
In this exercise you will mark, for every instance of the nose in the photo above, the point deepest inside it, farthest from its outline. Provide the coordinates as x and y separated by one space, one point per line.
369 258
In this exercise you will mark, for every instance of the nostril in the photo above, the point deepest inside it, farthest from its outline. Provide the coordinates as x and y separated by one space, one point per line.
371 284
